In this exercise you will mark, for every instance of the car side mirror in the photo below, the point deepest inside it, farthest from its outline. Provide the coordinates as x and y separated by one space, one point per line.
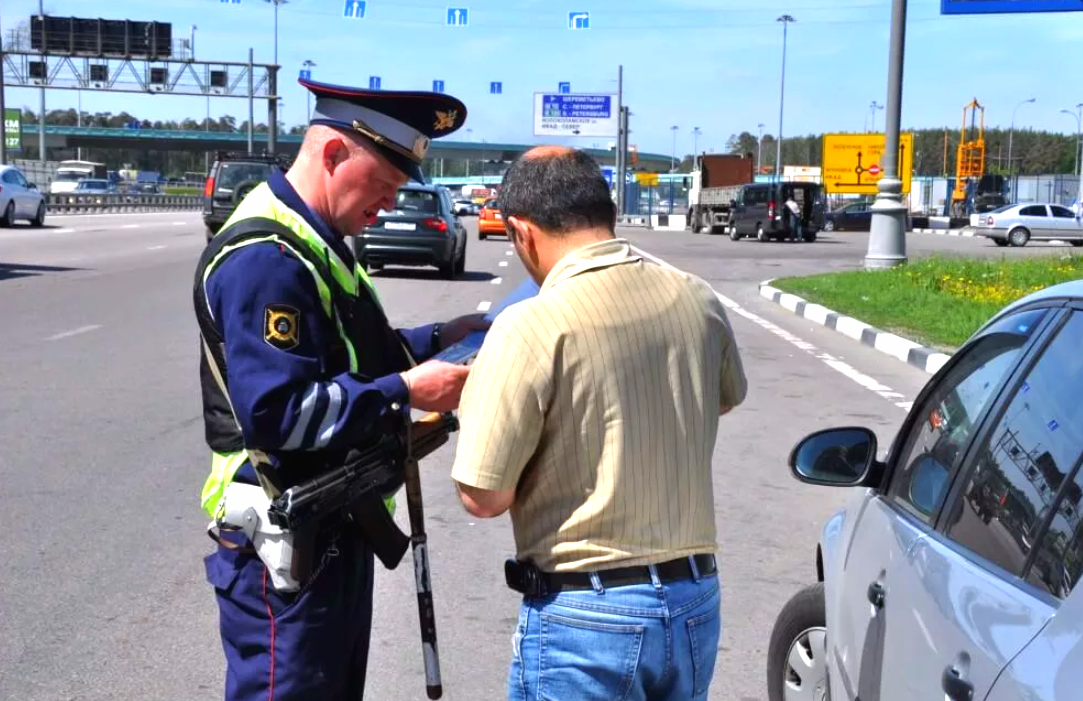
928 478
32 186
733 203
836 457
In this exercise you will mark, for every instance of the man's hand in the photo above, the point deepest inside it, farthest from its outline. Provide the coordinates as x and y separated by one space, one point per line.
435 385
457 329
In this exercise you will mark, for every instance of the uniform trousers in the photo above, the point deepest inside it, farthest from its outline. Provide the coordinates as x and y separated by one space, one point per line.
311 644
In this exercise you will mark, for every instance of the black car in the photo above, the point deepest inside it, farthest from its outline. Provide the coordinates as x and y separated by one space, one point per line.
758 211
856 216
422 230
231 178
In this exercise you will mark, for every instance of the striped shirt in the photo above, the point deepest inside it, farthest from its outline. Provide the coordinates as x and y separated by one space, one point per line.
598 400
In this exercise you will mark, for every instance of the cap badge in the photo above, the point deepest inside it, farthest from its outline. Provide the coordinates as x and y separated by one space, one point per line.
445 120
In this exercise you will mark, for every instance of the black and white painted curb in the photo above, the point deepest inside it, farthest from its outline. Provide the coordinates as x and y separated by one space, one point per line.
921 357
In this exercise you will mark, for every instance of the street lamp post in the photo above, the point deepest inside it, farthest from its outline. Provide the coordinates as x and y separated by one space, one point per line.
785 19
759 150
695 146
673 158
887 235
1078 114
1011 136
276 3
872 110
309 64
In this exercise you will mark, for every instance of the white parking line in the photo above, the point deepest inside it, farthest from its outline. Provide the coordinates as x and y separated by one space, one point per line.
74 332
129 226
484 306
63 231
503 264
829 360
508 253
179 223
497 280
155 248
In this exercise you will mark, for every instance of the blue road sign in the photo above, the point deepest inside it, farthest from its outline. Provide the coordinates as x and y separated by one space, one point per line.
564 87
578 20
438 86
374 82
609 173
458 16
231 2
354 9
996 7
305 74
496 88
629 178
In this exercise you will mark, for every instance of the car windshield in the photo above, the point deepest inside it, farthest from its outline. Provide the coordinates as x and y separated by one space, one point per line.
417 201
492 204
230 175
93 185
69 176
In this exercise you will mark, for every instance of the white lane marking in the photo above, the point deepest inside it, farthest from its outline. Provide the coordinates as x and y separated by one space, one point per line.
74 332
503 264
155 248
130 226
180 223
63 231
831 361
114 214
484 306
497 280
508 253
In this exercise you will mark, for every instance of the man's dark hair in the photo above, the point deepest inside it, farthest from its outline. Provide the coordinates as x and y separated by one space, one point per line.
560 192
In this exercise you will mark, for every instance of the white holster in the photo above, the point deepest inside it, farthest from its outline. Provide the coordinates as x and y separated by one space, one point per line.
245 508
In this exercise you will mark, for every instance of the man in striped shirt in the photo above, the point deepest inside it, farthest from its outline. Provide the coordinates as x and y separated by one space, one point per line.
591 413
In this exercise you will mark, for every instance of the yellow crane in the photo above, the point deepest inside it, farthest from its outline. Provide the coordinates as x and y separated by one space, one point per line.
970 159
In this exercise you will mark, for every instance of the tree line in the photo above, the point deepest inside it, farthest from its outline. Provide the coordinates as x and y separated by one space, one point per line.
1032 152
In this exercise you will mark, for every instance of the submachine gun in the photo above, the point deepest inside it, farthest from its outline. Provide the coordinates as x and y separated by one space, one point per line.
355 489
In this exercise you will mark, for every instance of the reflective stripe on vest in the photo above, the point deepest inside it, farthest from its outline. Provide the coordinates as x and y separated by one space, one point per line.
261 202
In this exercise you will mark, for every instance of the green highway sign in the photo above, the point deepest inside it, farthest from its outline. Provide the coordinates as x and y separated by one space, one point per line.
13 130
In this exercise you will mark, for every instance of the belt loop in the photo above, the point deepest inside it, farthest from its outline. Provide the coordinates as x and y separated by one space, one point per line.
695 568
655 580
596 582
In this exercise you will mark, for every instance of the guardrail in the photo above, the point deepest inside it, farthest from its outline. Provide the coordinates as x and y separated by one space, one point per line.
642 220
120 204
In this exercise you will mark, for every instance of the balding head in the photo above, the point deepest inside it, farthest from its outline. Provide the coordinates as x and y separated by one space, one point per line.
559 189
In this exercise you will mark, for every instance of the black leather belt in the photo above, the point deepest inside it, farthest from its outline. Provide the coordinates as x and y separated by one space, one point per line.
527 579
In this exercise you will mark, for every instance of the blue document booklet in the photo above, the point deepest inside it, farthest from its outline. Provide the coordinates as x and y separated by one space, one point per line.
465 350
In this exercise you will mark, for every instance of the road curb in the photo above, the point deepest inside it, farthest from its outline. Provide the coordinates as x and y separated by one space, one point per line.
922 357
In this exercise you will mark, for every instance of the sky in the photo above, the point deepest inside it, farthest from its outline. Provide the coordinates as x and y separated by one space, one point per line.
712 64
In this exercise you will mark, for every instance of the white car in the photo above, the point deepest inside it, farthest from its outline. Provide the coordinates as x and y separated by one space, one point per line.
19 199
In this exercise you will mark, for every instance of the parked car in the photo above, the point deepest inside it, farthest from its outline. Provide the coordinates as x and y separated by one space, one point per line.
1016 224
231 178
422 230
856 216
490 220
758 210
19 198
952 571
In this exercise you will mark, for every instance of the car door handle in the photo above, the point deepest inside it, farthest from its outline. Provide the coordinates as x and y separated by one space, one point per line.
876 594
955 687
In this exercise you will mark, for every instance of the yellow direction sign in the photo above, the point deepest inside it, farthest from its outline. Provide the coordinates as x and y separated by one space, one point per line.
853 163
648 179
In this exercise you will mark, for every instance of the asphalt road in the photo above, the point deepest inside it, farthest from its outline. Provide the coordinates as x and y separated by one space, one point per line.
102 461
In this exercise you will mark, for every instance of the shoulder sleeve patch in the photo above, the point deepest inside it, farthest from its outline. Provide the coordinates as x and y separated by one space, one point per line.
281 326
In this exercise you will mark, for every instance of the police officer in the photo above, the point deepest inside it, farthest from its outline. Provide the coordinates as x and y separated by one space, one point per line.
298 365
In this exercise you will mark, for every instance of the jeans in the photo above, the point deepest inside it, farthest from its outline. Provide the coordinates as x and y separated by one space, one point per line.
654 641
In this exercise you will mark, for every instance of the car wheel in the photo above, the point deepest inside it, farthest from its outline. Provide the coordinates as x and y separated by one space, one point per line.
694 221
829 225
761 235
810 236
1077 243
460 264
481 236
1000 242
39 218
734 236
9 215
797 651
1018 237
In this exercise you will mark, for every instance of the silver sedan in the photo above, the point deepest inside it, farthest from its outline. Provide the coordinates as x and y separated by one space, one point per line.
1016 224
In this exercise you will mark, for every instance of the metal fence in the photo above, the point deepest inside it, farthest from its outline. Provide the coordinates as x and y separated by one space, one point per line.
120 204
